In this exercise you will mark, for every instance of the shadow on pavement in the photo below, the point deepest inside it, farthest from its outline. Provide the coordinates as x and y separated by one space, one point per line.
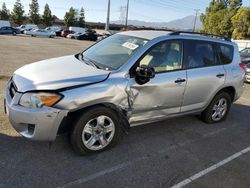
30 162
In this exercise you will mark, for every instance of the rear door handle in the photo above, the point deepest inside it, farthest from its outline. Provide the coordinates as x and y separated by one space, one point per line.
179 80
220 75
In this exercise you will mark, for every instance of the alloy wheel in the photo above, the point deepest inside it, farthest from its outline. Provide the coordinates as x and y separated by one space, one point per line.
219 109
98 132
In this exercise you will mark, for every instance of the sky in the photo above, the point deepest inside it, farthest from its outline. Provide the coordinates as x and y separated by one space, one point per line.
144 10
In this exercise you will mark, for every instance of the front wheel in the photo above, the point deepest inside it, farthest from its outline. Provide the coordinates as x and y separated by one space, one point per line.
96 130
218 109
14 33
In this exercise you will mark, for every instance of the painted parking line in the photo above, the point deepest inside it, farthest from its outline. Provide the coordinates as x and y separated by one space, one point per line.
210 169
129 163
101 173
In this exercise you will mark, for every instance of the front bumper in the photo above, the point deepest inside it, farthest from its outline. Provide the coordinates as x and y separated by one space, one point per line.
36 124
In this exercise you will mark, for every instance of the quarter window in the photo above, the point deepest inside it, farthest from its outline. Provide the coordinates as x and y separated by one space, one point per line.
165 56
225 54
199 54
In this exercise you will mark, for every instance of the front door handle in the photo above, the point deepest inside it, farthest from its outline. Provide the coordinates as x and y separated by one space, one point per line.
220 75
179 80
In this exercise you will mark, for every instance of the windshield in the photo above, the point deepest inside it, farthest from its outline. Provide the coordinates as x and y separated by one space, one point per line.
114 51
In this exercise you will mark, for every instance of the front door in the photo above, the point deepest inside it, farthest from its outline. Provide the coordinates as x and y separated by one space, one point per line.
161 96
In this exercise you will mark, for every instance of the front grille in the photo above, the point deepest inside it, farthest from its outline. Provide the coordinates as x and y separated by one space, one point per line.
12 89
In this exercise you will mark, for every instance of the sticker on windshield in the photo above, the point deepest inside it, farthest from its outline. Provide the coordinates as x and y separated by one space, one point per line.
130 45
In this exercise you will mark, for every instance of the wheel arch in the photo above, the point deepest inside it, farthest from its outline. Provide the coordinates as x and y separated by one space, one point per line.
69 121
230 90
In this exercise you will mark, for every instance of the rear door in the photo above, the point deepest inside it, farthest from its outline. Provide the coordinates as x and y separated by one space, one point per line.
205 74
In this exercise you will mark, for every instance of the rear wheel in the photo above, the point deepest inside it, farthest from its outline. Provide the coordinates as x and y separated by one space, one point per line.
218 109
96 130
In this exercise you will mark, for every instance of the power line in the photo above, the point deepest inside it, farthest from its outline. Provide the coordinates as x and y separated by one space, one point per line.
123 10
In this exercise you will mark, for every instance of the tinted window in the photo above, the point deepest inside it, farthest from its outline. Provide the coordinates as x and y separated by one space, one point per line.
225 53
165 56
199 54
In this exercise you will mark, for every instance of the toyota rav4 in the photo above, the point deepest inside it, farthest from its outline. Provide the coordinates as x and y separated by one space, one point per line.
127 79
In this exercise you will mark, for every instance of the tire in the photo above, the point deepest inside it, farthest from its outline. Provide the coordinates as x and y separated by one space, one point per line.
87 136
14 33
218 109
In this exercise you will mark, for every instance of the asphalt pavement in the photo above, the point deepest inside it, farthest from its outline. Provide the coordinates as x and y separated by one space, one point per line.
161 154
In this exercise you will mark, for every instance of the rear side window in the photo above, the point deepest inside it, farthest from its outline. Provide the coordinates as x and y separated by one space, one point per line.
225 53
199 54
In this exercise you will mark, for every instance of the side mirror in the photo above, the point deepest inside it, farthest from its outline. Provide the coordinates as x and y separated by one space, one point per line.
143 74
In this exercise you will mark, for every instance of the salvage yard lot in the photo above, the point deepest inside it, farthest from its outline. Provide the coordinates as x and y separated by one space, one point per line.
156 155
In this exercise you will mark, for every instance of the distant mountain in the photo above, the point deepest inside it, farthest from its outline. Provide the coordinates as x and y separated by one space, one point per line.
186 23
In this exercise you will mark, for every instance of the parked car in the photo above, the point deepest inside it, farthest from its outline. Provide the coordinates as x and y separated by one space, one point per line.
87 36
64 33
9 30
53 28
245 55
78 29
103 36
247 75
74 35
130 78
58 33
40 32
4 23
27 27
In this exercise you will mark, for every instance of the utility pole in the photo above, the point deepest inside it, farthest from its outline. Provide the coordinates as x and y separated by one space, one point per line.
108 15
126 23
196 14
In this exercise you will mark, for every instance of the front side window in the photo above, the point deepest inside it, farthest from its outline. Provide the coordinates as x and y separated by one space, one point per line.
114 51
165 56
199 54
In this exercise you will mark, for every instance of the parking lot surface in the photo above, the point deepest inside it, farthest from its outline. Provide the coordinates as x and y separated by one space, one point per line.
161 154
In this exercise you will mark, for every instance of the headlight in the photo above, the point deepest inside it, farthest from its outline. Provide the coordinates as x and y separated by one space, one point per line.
37 100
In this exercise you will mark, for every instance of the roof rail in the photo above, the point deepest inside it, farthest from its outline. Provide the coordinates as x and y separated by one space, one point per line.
197 33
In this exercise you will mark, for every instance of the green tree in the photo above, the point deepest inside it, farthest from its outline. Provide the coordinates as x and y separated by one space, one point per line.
81 21
34 12
70 17
217 18
47 16
4 13
241 24
17 14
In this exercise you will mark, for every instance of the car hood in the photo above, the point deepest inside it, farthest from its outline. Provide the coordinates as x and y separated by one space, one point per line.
57 73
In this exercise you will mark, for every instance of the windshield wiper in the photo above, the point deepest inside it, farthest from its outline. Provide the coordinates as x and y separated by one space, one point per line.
88 61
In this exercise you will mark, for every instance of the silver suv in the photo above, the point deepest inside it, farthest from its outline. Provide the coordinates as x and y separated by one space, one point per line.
127 79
